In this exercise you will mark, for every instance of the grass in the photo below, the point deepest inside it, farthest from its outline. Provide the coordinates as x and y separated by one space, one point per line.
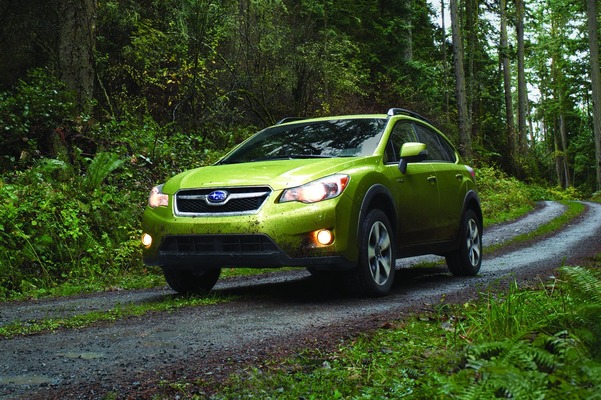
150 278
120 311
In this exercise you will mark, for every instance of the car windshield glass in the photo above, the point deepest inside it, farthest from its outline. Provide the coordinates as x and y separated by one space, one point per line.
332 138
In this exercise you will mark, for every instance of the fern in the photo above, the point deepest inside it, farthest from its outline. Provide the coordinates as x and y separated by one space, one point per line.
583 286
553 359
101 166
584 315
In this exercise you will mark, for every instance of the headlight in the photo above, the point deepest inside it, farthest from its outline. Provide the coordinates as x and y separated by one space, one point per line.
321 189
157 197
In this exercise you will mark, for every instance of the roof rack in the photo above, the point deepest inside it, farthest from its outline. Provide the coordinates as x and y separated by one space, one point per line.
289 119
399 111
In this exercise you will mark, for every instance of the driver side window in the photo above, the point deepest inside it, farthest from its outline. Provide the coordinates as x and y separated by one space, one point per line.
402 133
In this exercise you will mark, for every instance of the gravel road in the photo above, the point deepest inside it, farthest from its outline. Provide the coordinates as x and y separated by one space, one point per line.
278 313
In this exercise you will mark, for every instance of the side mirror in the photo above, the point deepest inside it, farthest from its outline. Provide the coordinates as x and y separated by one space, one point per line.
412 152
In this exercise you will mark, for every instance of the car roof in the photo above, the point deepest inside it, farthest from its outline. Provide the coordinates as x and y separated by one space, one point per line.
391 113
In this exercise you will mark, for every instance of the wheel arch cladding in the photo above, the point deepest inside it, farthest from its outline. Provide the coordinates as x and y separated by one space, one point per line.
379 197
472 201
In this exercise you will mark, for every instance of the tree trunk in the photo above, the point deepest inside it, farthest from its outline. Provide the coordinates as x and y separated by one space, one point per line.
76 49
470 52
558 159
593 38
522 89
566 180
407 32
465 140
509 121
444 60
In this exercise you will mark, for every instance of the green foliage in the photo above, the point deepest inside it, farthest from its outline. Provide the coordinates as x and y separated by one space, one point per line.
552 366
503 197
59 224
507 315
204 69
585 306
100 167
33 119
545 344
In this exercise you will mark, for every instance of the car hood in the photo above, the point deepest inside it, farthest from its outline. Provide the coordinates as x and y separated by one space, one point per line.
278 174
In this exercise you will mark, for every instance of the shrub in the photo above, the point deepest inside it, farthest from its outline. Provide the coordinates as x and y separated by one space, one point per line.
59 224
501 195
34 118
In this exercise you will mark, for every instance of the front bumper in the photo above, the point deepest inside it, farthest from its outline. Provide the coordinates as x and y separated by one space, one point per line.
279 234
252 251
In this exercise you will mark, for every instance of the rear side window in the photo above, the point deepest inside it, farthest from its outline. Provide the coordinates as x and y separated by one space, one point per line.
438 148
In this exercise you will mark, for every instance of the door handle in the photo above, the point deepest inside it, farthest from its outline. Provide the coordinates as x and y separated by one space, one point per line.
432 179
459 177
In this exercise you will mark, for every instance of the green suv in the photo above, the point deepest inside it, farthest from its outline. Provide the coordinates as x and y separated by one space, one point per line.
346 194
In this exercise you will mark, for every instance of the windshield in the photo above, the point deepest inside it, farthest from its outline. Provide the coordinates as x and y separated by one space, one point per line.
332 138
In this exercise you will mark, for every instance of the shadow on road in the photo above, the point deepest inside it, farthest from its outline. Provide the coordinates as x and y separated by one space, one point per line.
300 287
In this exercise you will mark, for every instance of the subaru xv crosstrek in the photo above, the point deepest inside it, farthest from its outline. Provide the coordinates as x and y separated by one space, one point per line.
345 194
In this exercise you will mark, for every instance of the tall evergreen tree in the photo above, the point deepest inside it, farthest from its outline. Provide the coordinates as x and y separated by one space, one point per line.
507 87
77 39
521 73
465 126
593 37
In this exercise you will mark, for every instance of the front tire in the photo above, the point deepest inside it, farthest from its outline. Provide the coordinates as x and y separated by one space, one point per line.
375 271
467 259
187 281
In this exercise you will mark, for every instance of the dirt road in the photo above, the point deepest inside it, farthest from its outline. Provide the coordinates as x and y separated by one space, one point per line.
277 313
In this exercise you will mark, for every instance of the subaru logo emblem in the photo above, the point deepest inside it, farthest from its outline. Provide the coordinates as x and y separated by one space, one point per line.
217 196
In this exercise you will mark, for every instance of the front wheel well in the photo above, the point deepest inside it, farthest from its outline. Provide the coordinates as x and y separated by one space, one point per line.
379 198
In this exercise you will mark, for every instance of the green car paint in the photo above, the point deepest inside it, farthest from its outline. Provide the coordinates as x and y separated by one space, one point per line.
422 204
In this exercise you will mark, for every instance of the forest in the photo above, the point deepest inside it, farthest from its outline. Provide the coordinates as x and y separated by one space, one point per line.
101 99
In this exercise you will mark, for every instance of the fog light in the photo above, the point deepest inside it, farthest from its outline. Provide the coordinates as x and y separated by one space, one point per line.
146 240
325 237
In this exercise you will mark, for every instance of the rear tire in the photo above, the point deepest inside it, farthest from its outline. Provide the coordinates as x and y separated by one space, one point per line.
375 271
186 281
467 259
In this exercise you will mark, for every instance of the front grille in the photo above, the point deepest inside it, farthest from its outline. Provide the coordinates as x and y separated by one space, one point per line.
244 200
218 244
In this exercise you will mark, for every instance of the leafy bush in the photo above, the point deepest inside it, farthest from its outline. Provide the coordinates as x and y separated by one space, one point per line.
58 224
502 197
158 152
34 118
